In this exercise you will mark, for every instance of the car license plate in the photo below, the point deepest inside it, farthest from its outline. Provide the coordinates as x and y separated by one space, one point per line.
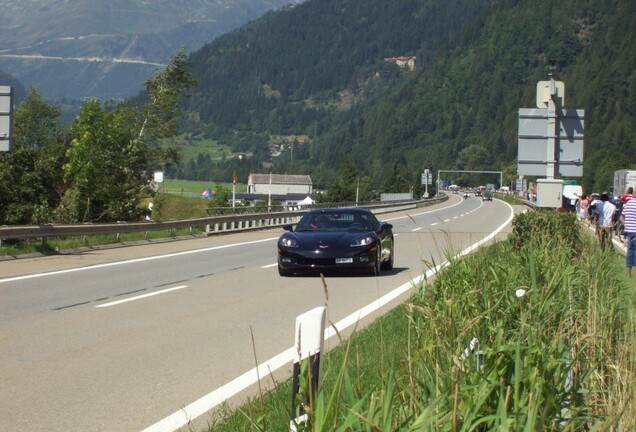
344 260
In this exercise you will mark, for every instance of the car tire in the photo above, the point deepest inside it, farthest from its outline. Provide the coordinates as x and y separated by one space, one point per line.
282 272
377 265
388 265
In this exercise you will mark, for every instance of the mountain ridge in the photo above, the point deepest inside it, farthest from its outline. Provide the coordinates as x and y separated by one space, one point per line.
78 49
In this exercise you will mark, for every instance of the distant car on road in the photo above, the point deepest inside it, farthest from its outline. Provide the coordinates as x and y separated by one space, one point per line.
487 196
336 239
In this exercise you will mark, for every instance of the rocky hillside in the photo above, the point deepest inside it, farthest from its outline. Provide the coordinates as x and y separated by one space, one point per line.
76 49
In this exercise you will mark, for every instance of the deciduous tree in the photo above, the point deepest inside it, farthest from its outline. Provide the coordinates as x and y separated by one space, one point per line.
30 176
114 150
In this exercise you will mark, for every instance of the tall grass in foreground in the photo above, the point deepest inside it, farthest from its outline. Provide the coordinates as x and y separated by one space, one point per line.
533 334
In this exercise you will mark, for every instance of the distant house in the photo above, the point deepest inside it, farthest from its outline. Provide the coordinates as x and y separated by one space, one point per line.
403 62
279 184
289 189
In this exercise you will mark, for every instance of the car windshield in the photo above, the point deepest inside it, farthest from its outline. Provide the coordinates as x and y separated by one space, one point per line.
335 221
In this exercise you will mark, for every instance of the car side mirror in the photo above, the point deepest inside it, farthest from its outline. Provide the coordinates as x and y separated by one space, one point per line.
384 226
288 227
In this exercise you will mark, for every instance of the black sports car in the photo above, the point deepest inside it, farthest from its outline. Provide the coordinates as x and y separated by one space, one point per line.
336 239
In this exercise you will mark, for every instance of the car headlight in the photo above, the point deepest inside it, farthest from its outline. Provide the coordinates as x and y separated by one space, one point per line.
290 242
363 241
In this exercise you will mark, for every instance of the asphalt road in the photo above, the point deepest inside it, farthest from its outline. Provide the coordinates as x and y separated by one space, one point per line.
146 337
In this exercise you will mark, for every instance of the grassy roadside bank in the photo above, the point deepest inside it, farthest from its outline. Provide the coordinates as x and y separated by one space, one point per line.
554 320
178 199
168 207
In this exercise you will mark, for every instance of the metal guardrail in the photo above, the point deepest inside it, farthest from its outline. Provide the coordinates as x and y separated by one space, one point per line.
51 230
219 211
211 224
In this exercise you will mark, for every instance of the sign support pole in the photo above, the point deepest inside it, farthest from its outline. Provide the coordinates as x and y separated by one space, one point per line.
552 129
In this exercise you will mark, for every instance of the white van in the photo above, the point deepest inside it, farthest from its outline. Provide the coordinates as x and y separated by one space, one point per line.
571 194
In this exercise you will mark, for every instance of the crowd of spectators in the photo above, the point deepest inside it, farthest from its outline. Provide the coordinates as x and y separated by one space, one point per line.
611 215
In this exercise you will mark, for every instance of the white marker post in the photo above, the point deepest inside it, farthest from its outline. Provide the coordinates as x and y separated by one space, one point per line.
308 343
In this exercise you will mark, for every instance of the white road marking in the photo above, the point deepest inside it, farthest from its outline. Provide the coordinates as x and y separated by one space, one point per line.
199 407
220 395
131 261
416 229
136 260
424 212
118 302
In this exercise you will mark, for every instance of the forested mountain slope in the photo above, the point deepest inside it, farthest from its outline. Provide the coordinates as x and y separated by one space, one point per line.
287 69
318 69
462 111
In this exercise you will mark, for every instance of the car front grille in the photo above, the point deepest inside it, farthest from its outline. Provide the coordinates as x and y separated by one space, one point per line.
316 261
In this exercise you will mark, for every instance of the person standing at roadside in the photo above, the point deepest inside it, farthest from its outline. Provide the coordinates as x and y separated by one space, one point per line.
592 213
584 208
627 195
628 218
605 209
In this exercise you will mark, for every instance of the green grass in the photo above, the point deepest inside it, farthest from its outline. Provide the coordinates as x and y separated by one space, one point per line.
512 199
191 147
193 189
66 243
168 206
554 316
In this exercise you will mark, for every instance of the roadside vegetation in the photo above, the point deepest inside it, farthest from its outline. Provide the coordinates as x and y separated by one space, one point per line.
167 206
194 188
99 169
512 199
192 147
551 320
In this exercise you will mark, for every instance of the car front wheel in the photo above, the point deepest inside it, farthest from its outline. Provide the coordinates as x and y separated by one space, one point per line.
282 272
377 266
388 265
